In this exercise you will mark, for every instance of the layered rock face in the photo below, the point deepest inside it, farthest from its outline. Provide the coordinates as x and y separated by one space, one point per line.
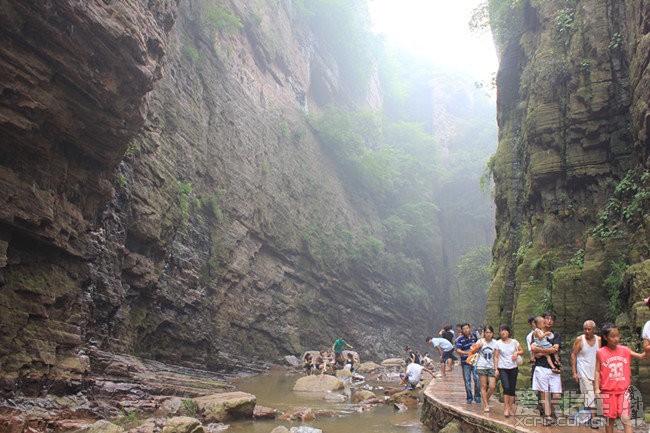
160 184
571 167
74 80
221 192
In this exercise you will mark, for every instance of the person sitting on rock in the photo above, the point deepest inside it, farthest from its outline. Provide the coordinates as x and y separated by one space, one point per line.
428 362
308 364
350 363
411 377
327 361
320 365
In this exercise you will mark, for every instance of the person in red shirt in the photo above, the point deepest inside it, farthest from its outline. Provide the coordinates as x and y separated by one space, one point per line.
612 378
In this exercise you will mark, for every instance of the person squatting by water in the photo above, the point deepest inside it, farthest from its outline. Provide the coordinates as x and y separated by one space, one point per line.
413 373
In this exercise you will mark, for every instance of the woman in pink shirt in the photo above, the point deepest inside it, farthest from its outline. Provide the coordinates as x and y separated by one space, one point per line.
612 378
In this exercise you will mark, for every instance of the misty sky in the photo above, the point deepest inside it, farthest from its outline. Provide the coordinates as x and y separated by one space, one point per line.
437 30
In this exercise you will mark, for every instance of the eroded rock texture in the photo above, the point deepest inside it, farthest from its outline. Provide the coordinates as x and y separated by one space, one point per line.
571 167
73 85
163 195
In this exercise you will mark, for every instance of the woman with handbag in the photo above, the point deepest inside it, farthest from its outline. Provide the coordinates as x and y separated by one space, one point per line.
508 358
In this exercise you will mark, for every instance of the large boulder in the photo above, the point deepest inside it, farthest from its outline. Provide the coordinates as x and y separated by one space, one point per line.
343 373
263 412
355 356
318 383
149 425
302 413
292 360
362 395
407 397
393 363
368 367
183 424
169 407
226 406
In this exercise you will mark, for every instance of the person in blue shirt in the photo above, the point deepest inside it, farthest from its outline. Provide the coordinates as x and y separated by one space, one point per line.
446 351
463 345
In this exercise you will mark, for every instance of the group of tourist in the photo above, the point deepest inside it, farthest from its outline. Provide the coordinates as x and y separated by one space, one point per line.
599 364
484 359
329 361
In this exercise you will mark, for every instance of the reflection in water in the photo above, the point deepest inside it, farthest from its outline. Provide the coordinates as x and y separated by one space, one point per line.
275 390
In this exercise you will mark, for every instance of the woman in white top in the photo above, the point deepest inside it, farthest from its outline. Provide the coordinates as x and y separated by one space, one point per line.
506 355
486 365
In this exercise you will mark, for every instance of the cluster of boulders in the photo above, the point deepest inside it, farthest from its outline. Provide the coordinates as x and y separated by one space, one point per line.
202 413
334 385
206 414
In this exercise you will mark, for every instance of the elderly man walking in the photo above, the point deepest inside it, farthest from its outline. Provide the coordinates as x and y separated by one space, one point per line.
583 363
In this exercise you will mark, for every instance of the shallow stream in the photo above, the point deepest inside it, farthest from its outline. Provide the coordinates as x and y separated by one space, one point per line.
274 390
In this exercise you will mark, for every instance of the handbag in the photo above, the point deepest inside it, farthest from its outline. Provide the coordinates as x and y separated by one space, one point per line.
472 359
520 359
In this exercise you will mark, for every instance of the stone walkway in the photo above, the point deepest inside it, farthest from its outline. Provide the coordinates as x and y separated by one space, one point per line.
447 399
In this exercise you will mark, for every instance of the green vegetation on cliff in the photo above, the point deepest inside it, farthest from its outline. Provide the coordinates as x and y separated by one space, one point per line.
343 26
393 166
626 208
212 16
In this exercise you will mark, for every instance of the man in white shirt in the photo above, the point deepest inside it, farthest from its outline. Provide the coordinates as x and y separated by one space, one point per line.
411 378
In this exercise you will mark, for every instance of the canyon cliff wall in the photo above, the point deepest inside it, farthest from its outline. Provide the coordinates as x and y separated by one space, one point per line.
571 169
163 194
75 75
